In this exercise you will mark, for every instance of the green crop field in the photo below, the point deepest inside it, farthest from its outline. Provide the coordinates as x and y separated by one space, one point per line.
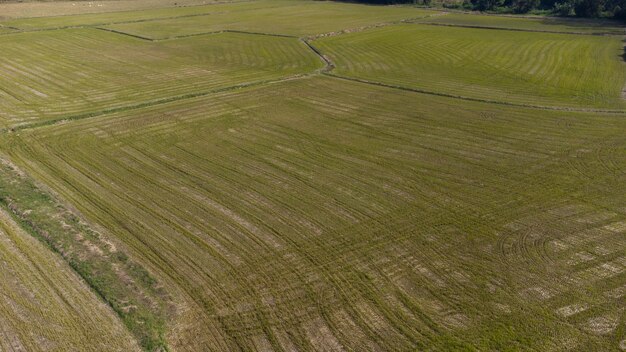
498 65
34 22
67 74
538 24
13 10
297 20
289 17
281 175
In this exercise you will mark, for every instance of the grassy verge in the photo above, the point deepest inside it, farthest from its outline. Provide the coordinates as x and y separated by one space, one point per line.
127 287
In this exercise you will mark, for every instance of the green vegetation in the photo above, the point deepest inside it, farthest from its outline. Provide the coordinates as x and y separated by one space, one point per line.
565 8
67 74
322 213
284 16
11 9
123 284
131 16
503 66
311 176
45 305
539 24
297 20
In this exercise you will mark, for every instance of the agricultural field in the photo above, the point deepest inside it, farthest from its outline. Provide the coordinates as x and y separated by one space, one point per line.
540 69
285 14
12 10
64 74
314 18
39 289
281 175
537 24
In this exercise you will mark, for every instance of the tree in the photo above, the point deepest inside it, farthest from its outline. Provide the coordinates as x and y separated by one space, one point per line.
588 8
565 8
486 5
523 6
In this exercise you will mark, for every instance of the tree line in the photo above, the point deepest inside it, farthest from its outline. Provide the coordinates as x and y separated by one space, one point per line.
579 8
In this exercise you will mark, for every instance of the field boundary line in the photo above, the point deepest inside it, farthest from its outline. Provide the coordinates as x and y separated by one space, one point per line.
330 66
601 34
44 29
193 35
313 36
124 33
461 97
128 11
151 103
10 27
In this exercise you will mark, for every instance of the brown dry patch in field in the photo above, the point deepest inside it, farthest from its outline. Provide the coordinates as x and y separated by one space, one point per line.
602 325
570 310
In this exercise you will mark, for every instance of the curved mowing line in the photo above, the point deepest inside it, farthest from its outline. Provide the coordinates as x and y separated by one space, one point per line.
139 10
330 66
358 70
233 60
138 20
149 103
422 91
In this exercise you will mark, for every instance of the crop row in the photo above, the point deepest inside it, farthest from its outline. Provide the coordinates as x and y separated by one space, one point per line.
326 214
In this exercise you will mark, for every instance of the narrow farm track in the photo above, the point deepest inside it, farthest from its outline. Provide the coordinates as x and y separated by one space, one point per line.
254 209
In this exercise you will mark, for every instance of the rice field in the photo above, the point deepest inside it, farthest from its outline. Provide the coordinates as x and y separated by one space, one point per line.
67 74
297 20
328 215
284 16
310 176
12 10
538 24
538 69
45 305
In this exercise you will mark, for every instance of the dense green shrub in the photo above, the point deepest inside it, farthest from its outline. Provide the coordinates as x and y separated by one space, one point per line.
579 8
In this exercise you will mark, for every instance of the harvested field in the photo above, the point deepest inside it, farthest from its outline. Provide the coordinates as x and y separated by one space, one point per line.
288 215
39 289
91 19
64 8
268 16
67 74
539 24
498 65
298 20
310 176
